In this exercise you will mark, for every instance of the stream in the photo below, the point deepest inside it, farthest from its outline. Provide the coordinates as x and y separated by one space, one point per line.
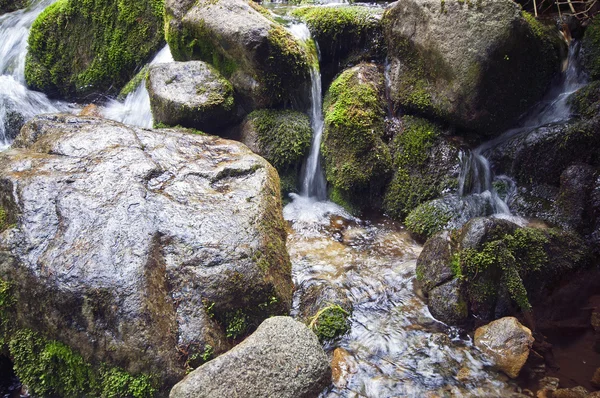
395 348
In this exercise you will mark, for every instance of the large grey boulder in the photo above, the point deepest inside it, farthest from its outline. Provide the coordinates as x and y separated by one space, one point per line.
506 343
264 62
190 94
468 62
140 248
282 359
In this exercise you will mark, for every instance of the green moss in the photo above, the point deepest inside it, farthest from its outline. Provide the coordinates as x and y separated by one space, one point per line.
414 182
236 324
357 161
134 83
284 136
346 200
586 101
427 219
160 125
81 47
330 322
591 45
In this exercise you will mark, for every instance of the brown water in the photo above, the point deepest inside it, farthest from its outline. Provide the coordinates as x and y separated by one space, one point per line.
394 348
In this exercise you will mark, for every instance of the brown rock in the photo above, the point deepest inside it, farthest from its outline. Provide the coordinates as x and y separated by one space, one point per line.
91 110
463 375
506 342
576 392
596 378
595 321
548 383
341 366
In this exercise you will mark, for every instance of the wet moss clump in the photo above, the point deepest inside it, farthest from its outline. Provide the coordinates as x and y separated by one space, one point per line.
357 161
78 48
134 83
417 178
591 47
330 323
427 219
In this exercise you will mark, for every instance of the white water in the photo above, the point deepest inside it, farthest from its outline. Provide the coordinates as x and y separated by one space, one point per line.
476 178
135 109
14 94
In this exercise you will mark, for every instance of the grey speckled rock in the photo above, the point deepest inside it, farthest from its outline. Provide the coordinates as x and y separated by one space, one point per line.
506 342
190 94
448 303
282 359
433 264
123 235
467 62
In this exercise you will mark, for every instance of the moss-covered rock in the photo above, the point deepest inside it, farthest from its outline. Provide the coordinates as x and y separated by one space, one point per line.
330 322
502 268
357 161
425 166
591 49
264 62
191 94
469 62
12 5
78 48
281 137
345 35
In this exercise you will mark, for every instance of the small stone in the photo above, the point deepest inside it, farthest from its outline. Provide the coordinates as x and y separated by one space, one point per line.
463 375
548 383
90 110
596 378
506 342
576 392
341 366
595 321
544 394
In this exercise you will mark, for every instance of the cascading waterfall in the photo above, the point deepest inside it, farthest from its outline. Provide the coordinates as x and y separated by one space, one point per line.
16 100
135 109
476 177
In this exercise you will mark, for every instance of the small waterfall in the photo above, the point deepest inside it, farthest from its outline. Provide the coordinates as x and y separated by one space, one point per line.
17 102
313 179
476 177
135 109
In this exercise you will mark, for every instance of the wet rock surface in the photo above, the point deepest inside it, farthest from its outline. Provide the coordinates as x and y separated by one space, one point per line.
462 62
506 342
282 358
133 246
191 94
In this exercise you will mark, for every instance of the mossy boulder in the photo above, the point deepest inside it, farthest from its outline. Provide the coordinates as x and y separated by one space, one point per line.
591 49
281 137
12 5
357 161
498 268
79 48
264 62
150 250
425 166
191 94
476 64
346 35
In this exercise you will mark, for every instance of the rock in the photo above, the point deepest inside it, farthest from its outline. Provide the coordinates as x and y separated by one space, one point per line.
425 166
281 359
265 63
11 122
345 36
342 365
591 49
573 197
434 262
91 110
575 392
12 5
140 248
479 231
548 383
596 378
595 320
464 62
357 162
506 342
464 375
77 49
447 303
190 94
282 137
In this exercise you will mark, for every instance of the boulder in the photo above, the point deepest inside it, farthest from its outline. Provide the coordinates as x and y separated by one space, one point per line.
143 249
357 161
264 62
506 343
345 35
434 264
591 49
467 62
281 137
448 302
282 358
82 48
190 94
12 5
425 166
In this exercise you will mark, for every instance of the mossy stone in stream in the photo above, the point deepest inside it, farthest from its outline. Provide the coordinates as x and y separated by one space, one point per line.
330 322
12 5
80 47
357 161
591 48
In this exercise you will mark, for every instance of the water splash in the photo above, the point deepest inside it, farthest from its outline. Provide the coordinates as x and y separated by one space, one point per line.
135 109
